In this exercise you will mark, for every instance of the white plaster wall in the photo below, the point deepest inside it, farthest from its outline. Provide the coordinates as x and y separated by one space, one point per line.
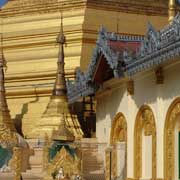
158 97
107 108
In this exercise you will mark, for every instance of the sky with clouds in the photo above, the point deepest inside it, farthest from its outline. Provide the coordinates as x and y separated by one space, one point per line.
2 2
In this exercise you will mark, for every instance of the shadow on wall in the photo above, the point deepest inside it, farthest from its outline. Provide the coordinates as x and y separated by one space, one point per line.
166 91
18 118
110 109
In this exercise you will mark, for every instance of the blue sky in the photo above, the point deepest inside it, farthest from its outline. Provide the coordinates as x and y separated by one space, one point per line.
2 2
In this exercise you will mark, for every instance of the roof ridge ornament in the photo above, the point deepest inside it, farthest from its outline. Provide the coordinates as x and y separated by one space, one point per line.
102 35
177 18
157 47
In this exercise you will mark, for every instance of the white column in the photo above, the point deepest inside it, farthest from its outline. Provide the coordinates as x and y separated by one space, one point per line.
130 137
121 159
146 157
160 116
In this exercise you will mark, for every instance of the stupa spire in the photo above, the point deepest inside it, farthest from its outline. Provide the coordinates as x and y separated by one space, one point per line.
60 84
5 117
57 120
63 133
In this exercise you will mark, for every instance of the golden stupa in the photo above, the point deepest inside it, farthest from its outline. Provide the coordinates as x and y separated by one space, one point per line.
9 137
57 119
8 132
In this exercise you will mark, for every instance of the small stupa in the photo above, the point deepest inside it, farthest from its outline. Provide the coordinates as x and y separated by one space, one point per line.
10 141
7 128
57 119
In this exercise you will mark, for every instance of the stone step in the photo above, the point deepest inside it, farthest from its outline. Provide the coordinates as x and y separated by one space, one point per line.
36 160
92 160
26 176
95 175
92 165
89 170
31 177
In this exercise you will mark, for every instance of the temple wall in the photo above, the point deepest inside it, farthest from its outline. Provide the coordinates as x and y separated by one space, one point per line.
146 92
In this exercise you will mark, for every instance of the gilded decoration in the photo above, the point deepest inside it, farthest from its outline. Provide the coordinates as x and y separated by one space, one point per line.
114 163
47 144
70 165
119 129
171 120
107 173
16 162
118 134
144 121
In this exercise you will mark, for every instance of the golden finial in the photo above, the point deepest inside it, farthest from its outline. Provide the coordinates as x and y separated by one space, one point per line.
61 37
172 10
2 58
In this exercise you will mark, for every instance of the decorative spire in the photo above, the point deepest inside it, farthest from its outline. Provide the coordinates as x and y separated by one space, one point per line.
56 120
172 10
5 117
60 84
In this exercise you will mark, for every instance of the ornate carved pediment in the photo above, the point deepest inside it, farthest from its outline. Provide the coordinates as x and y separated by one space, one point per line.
119 129
106 48
155 40
156 48
112 57
150 43
144 121
64 160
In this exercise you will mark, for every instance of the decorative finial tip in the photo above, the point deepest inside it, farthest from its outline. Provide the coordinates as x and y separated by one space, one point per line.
61 37
2 58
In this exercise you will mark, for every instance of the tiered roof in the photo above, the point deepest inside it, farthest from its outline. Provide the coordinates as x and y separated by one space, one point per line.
108 54
126 55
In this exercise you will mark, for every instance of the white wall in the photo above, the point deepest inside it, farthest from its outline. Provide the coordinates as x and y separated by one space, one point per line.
158 97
